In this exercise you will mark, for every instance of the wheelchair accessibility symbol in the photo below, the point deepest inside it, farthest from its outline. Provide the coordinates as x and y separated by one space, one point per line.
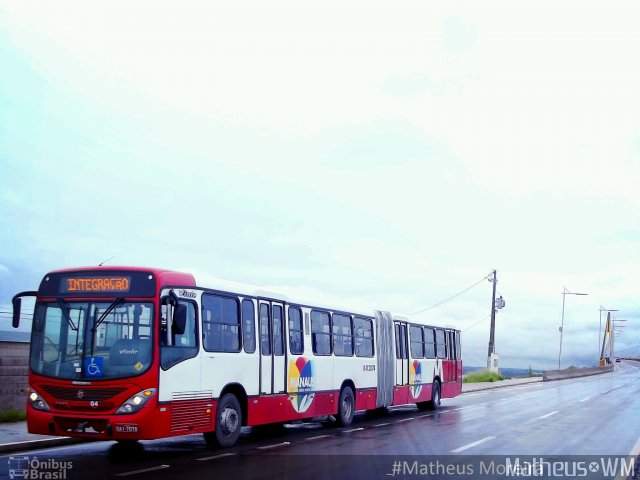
93 366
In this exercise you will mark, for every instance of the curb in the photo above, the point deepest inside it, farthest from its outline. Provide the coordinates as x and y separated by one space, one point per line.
39 443
553 375
500 384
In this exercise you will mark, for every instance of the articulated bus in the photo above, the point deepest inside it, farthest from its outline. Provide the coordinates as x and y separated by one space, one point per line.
129 353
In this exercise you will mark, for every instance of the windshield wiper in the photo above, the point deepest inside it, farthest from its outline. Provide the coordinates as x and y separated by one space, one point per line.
63 308
109 309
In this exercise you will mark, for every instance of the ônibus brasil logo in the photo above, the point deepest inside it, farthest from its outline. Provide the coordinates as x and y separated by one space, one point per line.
301 384
415 378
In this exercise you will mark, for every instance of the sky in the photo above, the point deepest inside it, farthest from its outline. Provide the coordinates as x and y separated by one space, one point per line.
380 154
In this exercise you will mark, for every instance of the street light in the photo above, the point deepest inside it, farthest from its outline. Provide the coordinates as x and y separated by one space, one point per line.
564 293
602 309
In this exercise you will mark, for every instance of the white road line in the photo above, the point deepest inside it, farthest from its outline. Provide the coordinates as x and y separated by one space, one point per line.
275 445
382 424
548 415
471 445
144 470
215 456
353 430
405 419
585 399
317 437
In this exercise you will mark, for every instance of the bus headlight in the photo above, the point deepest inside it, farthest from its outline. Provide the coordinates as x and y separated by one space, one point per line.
136 402
37 401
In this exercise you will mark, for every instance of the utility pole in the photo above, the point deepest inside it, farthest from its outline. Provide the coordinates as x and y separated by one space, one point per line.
492 358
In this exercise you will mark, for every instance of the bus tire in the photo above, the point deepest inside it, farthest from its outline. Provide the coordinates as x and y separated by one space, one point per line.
228 423
346 407
434 404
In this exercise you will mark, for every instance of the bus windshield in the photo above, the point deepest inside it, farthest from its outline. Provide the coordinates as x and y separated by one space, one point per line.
91 340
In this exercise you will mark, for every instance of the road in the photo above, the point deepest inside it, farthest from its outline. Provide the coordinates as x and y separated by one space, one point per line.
587 416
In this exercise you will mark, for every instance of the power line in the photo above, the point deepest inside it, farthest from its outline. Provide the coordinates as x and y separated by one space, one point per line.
477 323
486 277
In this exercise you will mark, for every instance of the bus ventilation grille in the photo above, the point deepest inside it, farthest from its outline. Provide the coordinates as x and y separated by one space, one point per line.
83 393
191 411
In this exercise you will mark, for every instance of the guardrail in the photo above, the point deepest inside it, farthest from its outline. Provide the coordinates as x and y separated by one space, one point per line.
575 372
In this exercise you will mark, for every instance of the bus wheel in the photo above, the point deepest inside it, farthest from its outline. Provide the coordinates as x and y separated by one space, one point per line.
346 407
228 423
435 396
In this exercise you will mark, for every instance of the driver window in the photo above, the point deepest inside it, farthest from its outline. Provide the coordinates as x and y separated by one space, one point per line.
183 346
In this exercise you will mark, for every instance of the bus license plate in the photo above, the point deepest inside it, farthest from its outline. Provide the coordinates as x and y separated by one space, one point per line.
126 428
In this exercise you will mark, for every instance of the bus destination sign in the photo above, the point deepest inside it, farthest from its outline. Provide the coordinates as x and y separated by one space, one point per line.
95 284
110 283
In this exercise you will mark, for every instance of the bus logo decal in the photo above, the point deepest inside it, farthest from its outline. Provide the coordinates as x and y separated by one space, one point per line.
300 383
415 378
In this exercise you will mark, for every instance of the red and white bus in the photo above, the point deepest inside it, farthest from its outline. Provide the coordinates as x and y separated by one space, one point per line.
129 353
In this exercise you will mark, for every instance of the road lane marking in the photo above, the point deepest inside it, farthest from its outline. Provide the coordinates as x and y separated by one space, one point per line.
353 430
405 419
143 470
382 424
585 399
317 437
548 415
214 457
275 445
471 445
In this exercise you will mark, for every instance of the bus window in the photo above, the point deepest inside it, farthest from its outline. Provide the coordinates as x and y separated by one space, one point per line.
452 345
321 333
429 343
441 351
278 337
296 346
248 326
184 345
417 342
265 336
342 335
458 351
364 336
220 324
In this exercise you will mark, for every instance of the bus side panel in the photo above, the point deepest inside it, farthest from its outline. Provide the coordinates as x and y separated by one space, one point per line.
325 396
273 409
401 395
360 370
451 389
366 398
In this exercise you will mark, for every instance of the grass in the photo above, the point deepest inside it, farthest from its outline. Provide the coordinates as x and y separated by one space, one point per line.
12 416
484 376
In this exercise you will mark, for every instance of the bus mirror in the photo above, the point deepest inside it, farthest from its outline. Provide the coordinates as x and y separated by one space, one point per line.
179 319
17 304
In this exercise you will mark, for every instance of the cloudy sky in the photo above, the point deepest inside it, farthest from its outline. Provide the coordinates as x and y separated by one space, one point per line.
382 154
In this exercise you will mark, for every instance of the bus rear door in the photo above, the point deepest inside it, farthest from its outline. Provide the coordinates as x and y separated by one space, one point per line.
272 348
402 361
